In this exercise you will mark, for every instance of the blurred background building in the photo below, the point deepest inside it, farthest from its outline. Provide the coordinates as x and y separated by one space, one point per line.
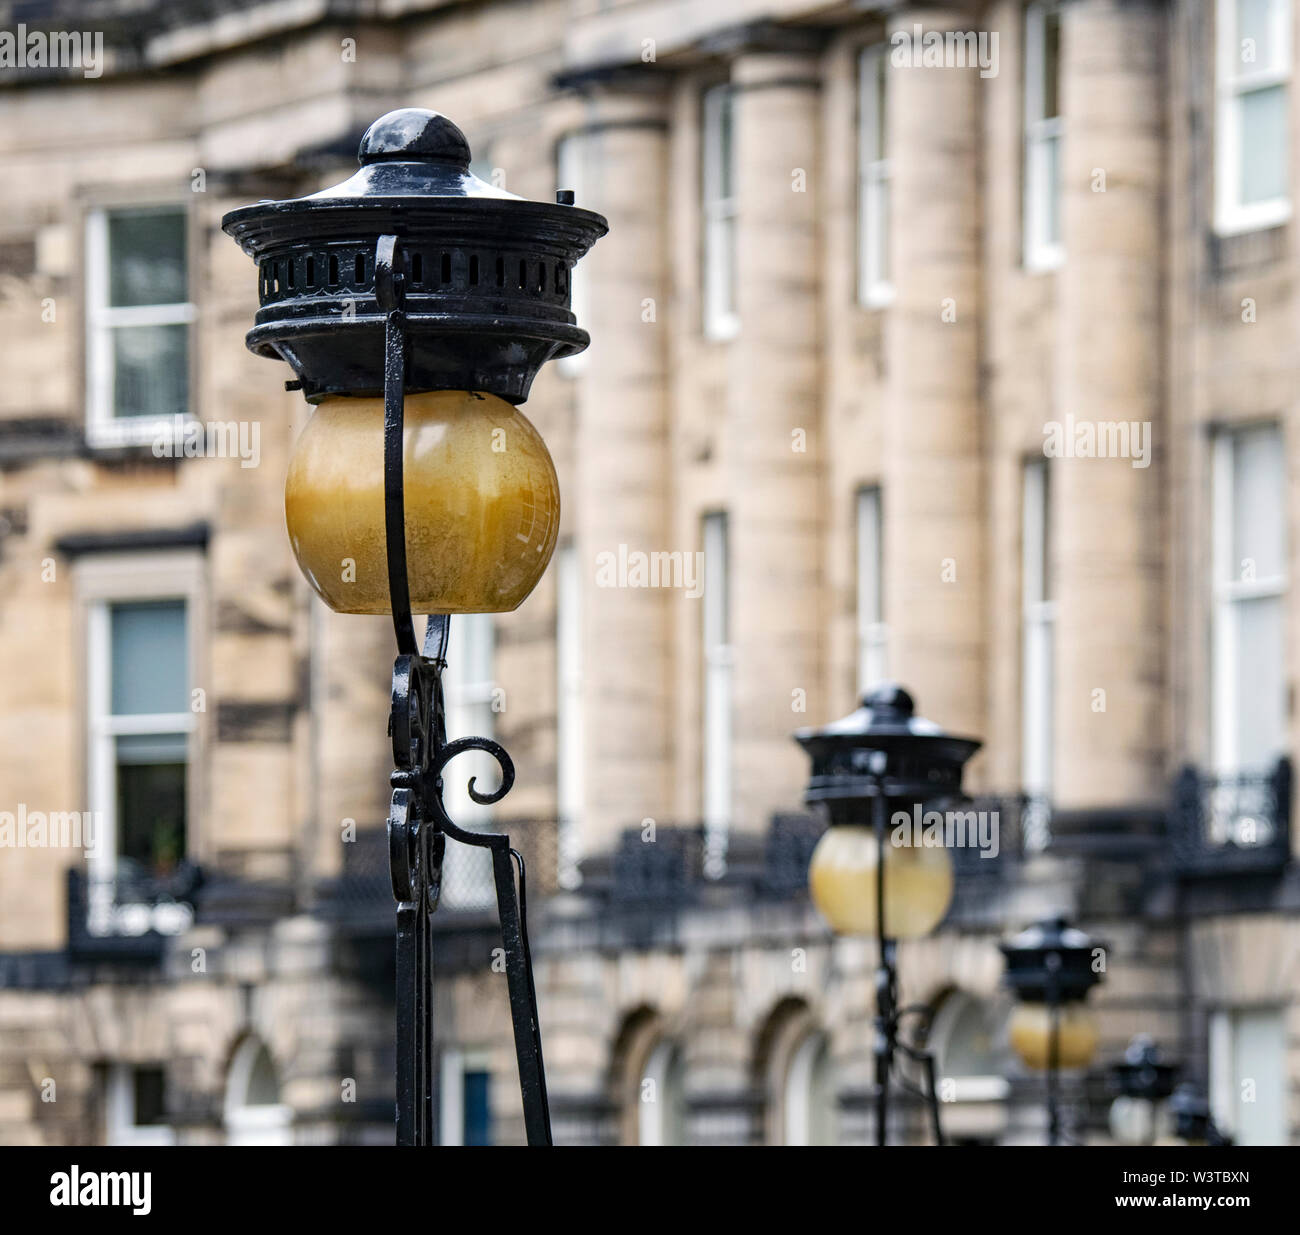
844 305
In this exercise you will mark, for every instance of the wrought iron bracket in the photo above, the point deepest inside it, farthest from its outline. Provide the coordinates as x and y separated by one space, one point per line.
418 824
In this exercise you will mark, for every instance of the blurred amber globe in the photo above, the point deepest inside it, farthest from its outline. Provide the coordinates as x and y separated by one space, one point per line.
1029 1030
482 503
842 881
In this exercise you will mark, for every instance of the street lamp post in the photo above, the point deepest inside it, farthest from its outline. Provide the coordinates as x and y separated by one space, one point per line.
1192 1122
1050 968
881 760
1139 1115
415 304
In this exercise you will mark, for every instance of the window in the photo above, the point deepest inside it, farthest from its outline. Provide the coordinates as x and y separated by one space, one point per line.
874 286
1042 159
806 1109
138 315
467 881
1038 617
571 755
569 175
963 1035
661 1113
140 726
873 634
718 178
1251 129
717 695
135 1106
140 621
1249 707
1248 1075
465 1100
254 1114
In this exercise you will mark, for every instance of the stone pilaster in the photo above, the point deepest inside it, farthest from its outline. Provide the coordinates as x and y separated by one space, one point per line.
1107 553
622 465
933 509
773 432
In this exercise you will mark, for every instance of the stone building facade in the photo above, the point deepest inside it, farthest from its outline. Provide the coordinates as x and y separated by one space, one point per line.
965 363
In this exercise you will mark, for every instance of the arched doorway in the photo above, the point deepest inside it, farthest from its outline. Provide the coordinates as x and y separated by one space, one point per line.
254 1114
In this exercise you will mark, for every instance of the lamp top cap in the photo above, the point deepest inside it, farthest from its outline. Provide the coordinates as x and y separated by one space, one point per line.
1051 935
886 711
414 134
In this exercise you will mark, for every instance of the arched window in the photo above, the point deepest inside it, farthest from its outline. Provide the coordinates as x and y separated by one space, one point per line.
971 1068
254 1114
661 1101
807 1116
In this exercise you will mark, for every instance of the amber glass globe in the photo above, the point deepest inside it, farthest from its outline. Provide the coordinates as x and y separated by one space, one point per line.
1030 1032
842 880
482 504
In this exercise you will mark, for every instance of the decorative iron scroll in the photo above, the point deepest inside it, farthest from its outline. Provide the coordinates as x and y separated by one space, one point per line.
418 824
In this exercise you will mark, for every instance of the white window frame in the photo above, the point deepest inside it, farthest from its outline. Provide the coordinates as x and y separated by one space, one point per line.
1042 193
103 428
1226 1102
661 1121
969 1088
1227 589
1232 80
875 287
721 317
455 1062
806 1107
570 789
469 691
570 173
100 583
873 633
716 711
262 1124
120 1127
1038 622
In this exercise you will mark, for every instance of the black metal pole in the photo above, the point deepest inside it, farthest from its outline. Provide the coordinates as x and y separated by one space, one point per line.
886 979
1053 1050
418 824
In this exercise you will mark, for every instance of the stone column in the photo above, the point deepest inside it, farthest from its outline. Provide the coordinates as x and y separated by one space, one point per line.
623 486
932 500
1108 537
773 433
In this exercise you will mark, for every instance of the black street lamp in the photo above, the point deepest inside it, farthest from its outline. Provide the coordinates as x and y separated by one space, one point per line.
415 304
1192 1122
880 762
1144 1078
1050 968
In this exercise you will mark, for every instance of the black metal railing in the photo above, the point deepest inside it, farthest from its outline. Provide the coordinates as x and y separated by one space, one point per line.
360 898
992 835
1231 824
131 914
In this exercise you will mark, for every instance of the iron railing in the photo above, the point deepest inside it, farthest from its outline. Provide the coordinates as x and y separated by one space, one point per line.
131 915
360 898
1231 824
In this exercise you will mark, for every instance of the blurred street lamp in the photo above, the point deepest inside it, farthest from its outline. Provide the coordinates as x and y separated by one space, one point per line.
878 761
1050 970
415 304
1145 1079
1192 1122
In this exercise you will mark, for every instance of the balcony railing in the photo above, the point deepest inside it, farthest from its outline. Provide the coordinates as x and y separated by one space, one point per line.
1231 825
131 915
360 898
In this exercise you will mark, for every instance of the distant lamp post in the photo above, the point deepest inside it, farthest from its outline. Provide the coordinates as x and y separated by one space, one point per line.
1050 970
1189 1112
876 762
415 304
1140 1114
